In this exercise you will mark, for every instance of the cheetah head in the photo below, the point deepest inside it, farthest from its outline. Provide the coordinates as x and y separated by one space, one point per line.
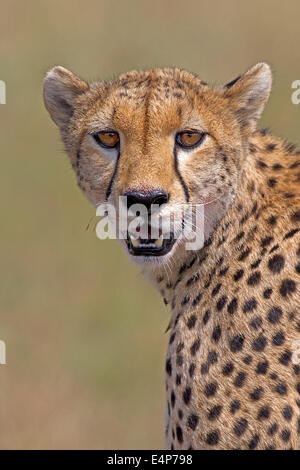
161 139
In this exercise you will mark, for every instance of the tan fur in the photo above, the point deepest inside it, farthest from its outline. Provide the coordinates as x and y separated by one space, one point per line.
231 382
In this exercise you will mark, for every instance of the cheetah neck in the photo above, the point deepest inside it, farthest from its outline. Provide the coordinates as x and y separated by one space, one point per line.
175 279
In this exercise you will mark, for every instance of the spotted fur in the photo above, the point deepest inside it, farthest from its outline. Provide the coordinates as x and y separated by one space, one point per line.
230 379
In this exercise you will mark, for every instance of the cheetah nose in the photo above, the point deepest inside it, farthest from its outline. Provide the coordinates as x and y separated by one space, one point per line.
147 198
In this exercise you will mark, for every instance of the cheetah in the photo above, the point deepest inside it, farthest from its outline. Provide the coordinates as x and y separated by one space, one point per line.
165 137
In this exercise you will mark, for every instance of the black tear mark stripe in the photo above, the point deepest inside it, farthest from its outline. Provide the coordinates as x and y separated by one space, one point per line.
183 184
109 187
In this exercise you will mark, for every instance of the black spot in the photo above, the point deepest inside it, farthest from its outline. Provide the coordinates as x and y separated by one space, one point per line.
285 435
281 389
216 290
212 357
180 414
254 279
278 339
244 254
228 369
192 421
247 360
214 412
223 271
296 369
250 305
287 412
291 233
172 337
295 217
192 369
173 399
179 434
253 443
212 438
206 317
272 220
274 248
238 275
270 147
259 343
288 286
272 182
252 148
178 379
236 343
185 300
169 367
264 412
234 406
261 164
210 389
262 367
285 357
197 300
276 264
191 322
256 323
267 293
256 264
272 429
179 360
232 306
195 346
266 242
216 335
274 315
221 303
193 279
240 379
240 427
256 394
187 395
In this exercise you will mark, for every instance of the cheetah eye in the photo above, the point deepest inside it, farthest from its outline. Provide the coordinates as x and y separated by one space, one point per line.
189 139
107 139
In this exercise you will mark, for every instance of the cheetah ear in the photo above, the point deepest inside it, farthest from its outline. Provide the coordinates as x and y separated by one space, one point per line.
249 93
61 89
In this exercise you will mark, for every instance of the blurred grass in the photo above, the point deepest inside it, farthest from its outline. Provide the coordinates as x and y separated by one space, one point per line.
84 331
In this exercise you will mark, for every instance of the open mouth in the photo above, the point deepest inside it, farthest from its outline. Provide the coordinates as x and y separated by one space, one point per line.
150 246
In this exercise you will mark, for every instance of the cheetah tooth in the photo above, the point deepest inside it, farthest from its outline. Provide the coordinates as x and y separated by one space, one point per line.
158 243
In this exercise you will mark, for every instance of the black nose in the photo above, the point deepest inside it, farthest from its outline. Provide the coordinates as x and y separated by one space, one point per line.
146 198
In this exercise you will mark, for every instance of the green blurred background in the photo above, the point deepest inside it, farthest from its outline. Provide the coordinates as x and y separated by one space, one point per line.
84 331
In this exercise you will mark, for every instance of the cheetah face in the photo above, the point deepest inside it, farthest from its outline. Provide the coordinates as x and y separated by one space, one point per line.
162 141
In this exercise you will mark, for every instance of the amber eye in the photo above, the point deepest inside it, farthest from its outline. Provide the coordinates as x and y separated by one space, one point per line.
108 139
189 139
